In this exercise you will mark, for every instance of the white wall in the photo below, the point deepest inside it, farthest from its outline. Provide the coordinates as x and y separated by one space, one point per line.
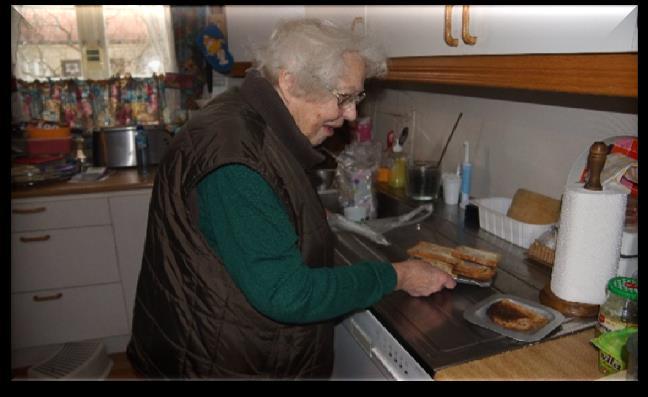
513 144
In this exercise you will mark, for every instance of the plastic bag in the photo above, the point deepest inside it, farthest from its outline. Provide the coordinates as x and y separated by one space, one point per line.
612 355
355 175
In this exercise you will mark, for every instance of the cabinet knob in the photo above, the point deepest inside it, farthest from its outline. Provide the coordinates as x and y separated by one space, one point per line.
48 297
451 41
28 210
465 27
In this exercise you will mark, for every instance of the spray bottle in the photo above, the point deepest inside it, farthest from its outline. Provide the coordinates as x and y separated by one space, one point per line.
466 170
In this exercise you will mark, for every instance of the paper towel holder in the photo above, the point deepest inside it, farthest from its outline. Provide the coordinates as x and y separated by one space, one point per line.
595 163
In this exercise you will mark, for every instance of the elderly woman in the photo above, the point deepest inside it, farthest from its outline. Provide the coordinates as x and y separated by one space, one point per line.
237 279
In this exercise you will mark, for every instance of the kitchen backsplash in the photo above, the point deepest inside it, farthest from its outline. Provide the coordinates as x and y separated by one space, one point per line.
512 144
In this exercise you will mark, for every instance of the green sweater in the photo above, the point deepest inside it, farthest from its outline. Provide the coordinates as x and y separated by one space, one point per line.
248 227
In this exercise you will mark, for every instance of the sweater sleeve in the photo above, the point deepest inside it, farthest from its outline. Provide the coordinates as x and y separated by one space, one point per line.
247 226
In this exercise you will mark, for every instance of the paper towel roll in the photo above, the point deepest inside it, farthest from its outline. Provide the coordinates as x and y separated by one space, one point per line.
588 244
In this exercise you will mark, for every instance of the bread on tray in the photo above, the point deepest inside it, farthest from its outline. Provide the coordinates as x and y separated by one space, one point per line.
441 265
514 316
427 250
462 261
474 271
479 256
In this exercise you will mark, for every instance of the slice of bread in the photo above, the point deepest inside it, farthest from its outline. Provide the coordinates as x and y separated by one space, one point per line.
514 316
474 271
427 250
482 257
441 265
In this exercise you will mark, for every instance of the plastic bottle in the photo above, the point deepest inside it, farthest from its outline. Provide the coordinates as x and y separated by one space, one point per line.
141 144
399 167
466 170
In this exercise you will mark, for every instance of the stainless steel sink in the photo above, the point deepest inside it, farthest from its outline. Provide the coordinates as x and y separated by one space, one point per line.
432 329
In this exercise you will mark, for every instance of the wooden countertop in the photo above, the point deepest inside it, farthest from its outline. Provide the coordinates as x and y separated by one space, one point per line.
117 180
571 357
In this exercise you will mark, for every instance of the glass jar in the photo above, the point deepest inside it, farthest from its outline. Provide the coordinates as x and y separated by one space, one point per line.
620 309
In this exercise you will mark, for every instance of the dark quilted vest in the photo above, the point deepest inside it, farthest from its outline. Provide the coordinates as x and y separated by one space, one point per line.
190 319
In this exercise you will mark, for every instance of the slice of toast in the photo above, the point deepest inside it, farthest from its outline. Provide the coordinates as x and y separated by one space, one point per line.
427 250
474 271
482 257
441 265
514 316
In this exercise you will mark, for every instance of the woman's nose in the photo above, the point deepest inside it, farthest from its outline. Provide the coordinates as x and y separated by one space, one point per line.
349 112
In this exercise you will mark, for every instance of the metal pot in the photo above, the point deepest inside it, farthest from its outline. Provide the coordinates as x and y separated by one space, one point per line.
115 147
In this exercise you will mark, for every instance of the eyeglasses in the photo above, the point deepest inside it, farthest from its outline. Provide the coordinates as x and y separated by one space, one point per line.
345 100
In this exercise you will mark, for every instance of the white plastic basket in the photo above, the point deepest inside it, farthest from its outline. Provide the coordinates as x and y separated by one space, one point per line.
76 360
493 219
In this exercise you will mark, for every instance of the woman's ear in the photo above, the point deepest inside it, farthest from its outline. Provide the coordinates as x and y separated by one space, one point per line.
285 81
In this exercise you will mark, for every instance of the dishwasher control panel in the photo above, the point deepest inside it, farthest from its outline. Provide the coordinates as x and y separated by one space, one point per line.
383 349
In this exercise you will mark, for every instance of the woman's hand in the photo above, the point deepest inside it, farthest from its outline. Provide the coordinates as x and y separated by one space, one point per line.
418 278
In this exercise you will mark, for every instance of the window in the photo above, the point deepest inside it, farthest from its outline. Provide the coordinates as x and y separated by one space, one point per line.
93 42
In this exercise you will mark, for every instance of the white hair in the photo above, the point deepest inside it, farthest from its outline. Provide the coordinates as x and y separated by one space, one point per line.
312 50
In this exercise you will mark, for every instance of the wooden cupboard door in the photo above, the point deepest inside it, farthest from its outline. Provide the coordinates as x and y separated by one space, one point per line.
130 216
58 258
67 315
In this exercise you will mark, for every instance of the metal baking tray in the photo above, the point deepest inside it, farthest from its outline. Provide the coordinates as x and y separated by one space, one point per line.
477 315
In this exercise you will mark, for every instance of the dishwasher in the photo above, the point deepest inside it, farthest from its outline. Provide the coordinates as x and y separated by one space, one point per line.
366 350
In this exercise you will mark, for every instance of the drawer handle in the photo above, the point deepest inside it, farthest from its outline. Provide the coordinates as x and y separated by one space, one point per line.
28 210
48 298
451 41
32 239
465 24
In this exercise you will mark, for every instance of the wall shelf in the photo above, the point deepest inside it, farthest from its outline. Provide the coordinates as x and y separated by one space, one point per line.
609 74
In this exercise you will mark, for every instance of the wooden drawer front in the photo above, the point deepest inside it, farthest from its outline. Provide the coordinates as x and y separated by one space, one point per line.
66 315
39 215
62 258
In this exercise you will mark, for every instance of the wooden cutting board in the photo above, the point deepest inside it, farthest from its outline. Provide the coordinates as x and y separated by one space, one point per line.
571 357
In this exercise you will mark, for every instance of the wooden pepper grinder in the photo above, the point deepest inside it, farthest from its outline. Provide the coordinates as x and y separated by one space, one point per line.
595 163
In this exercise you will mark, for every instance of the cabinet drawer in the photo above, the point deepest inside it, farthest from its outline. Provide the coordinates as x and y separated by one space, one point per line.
40 215
66 315
62 258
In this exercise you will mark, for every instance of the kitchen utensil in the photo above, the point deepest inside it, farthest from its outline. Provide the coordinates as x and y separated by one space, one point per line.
449 138
470 281
403 136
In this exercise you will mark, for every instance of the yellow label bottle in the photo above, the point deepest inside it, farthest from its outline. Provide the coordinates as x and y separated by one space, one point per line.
399 168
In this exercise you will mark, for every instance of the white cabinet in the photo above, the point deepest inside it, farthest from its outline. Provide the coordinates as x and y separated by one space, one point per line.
64 277
351 17
249 26
503 29
130 214
75 261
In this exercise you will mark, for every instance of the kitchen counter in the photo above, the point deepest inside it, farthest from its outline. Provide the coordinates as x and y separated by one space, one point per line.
432 329
117 180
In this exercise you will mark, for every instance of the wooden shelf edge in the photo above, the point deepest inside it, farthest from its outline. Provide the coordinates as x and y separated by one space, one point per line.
595 74
609 74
